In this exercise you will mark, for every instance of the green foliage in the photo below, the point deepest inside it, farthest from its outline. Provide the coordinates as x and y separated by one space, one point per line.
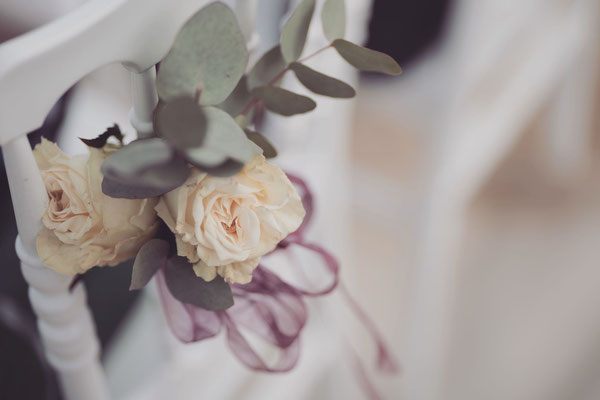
293 35
320 83
228 168
202 87
135 157
238 99
100 141
267 68
144 168
366 59
333 18
181 121
186 287
268 149
209 55
151 257
224 140
283 101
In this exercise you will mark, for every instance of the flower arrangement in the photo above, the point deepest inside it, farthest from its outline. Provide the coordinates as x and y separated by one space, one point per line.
198 203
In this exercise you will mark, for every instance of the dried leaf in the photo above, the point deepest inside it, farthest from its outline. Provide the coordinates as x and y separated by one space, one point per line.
101 140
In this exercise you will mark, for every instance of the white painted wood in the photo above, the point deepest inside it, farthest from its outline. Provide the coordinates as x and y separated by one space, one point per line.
135 32
145 98
65 324
35 70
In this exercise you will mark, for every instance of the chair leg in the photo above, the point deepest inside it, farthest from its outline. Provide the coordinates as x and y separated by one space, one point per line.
66 329
64 321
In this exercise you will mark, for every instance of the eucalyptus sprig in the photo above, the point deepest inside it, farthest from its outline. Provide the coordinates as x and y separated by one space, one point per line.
205 114
207 101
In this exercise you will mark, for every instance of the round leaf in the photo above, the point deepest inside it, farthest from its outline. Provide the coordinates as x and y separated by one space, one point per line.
186 287
333 18
266 68
238 99
366 59
151 257
209 54
268 149
283 101
142 169
228 168
180 121
321 83
224 139
293 35
152 182
136 157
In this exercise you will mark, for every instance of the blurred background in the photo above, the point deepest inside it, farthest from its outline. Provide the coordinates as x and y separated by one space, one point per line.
462 198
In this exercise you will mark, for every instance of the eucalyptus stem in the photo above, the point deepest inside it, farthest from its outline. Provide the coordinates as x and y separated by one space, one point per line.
280 75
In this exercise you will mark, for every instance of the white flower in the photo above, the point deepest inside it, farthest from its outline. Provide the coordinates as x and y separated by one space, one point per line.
224 225
84 227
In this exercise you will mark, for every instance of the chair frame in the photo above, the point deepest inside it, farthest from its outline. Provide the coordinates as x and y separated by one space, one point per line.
136 33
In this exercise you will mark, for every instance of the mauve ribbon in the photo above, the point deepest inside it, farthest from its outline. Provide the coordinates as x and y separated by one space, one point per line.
270 308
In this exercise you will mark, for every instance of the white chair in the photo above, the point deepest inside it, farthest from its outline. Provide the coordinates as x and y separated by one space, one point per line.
38 67
35 70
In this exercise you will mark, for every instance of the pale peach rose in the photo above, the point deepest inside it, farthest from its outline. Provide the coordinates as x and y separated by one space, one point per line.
224 225
83 227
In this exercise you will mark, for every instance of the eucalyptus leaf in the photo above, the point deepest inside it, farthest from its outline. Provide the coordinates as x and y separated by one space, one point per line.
293 35
268 149
333 17
186 287
152 182
100 141
267 68
321 83
283 101
224 139
142 169
205 157
237 101
151 257
137 156
181 121
366 59
120 190
228 168
209 54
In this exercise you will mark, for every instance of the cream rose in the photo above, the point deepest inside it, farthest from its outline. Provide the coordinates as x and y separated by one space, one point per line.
83 227
224 225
